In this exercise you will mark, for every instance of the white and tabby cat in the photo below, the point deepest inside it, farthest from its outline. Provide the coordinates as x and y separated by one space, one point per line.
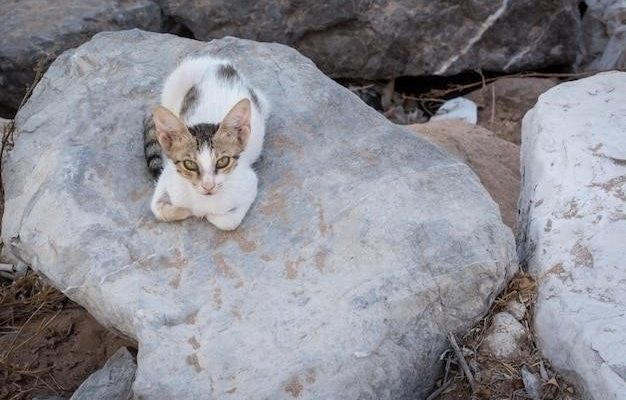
201 143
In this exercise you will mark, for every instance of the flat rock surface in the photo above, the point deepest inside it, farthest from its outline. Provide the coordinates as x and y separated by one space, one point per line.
494 160
573 229
365 246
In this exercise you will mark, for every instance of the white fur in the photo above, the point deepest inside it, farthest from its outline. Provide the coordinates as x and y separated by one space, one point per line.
177 198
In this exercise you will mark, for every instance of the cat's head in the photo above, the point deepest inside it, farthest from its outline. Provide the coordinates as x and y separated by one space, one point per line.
204 154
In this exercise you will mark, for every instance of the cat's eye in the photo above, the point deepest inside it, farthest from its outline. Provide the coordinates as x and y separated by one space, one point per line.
190 165
222 162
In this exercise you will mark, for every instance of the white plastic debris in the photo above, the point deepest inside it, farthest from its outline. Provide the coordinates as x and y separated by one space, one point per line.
458 108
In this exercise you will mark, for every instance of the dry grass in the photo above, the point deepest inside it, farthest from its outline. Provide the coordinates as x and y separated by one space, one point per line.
502 379
26 299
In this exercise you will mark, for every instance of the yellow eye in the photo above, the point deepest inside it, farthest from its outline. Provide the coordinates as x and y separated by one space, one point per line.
222 162
190 165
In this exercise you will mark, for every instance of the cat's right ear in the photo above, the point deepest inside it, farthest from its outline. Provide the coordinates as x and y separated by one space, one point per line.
168 127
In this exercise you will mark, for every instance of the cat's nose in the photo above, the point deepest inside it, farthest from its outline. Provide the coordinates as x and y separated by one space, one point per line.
208 187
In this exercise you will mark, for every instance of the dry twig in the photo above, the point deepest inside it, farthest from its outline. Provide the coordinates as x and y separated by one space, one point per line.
461 359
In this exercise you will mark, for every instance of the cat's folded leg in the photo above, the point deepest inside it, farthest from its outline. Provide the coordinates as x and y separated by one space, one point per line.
229 221
163 209
245 192
168 212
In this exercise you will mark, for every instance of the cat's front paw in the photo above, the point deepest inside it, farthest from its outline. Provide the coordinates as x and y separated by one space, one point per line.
165 211
227 222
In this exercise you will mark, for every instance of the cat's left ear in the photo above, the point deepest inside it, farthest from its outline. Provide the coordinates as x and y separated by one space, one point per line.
170 130
236 123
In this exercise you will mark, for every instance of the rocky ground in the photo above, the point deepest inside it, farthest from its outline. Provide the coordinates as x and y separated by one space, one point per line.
47 327
48 344
571 195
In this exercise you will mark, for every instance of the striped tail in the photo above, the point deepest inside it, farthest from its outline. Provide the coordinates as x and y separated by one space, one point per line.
152 148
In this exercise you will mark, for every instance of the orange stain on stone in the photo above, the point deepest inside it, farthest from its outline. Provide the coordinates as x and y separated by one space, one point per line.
192 360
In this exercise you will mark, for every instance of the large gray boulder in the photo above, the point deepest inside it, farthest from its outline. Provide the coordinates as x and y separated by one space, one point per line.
34 32
365 246
573 229
383 39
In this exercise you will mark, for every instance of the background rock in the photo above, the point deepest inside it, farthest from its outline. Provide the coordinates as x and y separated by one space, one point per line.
366 244
390 38
572 228
495 161
353 39
35 31
603 45
513 98
112 382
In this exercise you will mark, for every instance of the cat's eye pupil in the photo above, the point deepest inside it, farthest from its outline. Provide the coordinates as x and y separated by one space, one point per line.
190 165
223 162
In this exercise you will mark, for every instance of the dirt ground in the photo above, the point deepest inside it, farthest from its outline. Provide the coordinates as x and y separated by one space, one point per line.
502 379
48 344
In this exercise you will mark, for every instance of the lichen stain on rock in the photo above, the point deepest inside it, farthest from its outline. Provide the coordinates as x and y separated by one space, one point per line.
294 387
320 260
310 376
194 342
217 298
176 261
175 281
289 180
192 360
291 268
558 270
282 142
572 210
140 194
613 186
190 319
548 226
236 313
222 267
321 222
581 256
276 205
239 237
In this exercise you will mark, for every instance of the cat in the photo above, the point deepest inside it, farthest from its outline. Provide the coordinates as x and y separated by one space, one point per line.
201 142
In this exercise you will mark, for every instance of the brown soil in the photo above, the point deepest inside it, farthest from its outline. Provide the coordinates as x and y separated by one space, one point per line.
48 344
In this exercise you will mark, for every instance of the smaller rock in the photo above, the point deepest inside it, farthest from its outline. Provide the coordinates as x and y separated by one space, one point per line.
506 337
459 108
532 384
112 382
516 308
